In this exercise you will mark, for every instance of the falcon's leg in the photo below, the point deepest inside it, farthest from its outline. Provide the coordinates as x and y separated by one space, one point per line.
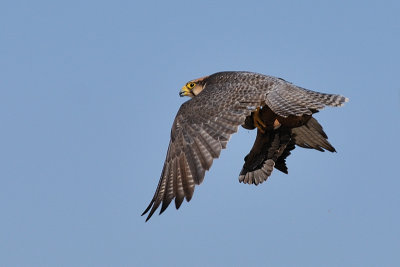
258 122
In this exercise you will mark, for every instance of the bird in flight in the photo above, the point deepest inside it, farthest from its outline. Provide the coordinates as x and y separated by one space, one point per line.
220 103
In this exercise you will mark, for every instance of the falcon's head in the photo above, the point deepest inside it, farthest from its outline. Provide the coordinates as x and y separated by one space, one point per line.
193 87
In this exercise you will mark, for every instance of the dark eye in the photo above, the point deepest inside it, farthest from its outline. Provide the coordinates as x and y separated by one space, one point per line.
191 85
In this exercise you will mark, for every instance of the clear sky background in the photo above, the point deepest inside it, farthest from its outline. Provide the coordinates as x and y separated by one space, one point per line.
88 94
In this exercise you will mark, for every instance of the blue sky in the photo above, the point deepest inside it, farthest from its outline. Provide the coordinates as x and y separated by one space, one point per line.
89 91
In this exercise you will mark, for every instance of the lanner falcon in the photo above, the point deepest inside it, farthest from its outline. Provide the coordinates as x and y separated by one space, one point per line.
220 103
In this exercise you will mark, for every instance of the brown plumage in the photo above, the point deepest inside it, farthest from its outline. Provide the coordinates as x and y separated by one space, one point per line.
220 104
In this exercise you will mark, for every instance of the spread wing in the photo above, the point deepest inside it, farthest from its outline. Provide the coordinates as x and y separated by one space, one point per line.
287 99
202 128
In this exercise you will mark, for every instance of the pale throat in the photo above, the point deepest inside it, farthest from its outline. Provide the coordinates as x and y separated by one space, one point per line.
197 89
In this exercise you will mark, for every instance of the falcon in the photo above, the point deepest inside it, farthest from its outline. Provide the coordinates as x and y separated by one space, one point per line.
281 112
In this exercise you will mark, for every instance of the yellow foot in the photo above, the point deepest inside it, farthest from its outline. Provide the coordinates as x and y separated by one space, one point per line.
257 121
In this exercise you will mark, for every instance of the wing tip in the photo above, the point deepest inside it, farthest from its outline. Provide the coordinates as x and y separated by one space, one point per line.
165 205
153 206
342 100
148 208
178 203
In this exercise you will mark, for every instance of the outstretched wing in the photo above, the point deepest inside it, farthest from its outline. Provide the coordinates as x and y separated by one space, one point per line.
200 131
287 99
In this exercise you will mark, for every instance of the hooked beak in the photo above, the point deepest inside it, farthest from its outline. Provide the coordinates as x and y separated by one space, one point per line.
184 92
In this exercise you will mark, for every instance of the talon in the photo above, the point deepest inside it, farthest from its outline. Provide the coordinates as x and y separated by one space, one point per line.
257 121
277 124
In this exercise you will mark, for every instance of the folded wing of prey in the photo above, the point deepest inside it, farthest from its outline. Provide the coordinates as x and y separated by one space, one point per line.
220 103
